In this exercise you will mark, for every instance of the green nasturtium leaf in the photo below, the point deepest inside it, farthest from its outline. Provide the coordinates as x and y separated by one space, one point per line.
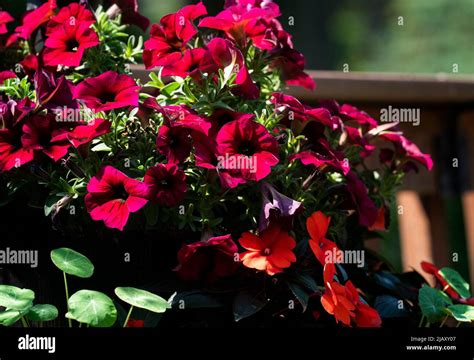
9 317
72 262
463 313
456 281
93 308
142 299
42 312
433 303
14 298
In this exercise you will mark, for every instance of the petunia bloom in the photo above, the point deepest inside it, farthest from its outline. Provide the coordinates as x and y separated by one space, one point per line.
208 260
6 74
130 13
271 251
65 44
33 19
169 39
84 134
167 184
53 91
247 149
366 210
5 18
113 196
72 15
108 91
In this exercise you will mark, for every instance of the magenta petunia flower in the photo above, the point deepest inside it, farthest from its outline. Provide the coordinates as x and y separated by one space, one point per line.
291 65
113 196
246 149
66 43
54 91
191 64
84 134
42 135
366 209
33 19
130 14
208 260
6 74
168 40
5 18
73 14
167 184
108 91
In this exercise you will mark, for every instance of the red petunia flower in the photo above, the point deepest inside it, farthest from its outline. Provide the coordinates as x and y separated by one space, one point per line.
42 135
7 74
72 15
247 149
53 91
167 184
169 39
192 64
271 251
32 20
84 134
113 196
366 209
66 43
130 14
5 18
108 91
355 137
208 260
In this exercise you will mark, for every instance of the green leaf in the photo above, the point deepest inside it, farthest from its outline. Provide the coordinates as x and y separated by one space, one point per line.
306 280
464 313
195 300
93 308
101 147
151 214
456 281
142 299
9 317
42 312
168 89
72 263
247 304
50 203
300 294
433 303
14 298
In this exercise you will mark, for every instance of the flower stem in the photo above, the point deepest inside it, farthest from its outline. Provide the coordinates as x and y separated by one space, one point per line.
421 320
23 321
128 316
67 298
444 321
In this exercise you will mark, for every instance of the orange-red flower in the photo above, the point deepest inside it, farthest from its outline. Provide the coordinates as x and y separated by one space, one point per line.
271 251
317 225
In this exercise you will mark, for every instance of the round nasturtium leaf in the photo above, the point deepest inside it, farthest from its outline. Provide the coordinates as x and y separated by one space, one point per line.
14 298
72 263
433 303
456 281
9 317
93 308
42 312
142 299
460 312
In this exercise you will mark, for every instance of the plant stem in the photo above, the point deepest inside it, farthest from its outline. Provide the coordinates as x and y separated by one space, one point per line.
128 316
459 323
427 324
67 298
444 321
421 320
23 321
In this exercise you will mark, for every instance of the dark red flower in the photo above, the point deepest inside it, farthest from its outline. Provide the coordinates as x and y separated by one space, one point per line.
5 18
7 74
53 91
132 323
355 137
407 149
108 91
65 43
322 155
72 15
191 64
84 134
42 135
30 65
113 196
167 184
33 19
364 205
169 39
351 113
247 149
208 260
220 117
130 14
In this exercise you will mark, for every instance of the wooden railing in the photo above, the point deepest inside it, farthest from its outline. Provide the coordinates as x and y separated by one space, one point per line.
427 203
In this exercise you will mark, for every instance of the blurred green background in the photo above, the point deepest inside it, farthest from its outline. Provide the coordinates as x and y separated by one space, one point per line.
423 36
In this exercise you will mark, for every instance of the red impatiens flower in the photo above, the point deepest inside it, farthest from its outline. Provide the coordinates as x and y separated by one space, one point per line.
108 91
208 260
33 20
84 134
66 43
42 135
169 39
247 149
167 184
5 18
317 225
112 196
271 251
